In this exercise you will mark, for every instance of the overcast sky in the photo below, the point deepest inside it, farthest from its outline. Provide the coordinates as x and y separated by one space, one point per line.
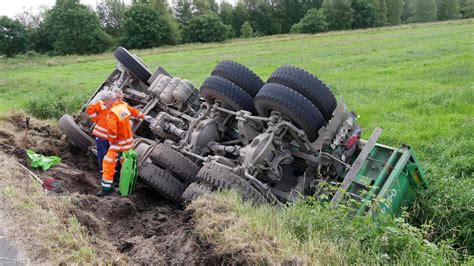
13 7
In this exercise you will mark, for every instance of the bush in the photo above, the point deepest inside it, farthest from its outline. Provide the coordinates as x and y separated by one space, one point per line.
146 27
313 22
206 28
55 102
246 30
13 36
72 28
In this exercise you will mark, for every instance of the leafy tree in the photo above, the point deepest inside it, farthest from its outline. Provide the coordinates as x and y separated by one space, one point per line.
214 6
225 13
339 14
448 9
364 14
290 12
161 5
146 27
407 11
381 12
166 11
31 20
111 15
32 23
313 22
394 11
183 11
13 37
205 28
239 16
424 10
467 8
72 28
202 7
246 31
262 17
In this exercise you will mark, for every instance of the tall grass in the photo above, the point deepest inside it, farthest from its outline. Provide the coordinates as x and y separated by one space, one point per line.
311 233
54 102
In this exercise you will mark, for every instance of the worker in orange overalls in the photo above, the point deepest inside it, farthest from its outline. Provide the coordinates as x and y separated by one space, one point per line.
121 139
120 136
98 113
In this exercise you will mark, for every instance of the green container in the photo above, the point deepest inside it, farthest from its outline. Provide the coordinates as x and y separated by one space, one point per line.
391 176
128 173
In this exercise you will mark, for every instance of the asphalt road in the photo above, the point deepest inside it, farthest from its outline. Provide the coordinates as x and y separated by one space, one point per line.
8 253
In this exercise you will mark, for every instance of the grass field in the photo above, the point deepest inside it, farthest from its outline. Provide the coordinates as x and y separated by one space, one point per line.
414 81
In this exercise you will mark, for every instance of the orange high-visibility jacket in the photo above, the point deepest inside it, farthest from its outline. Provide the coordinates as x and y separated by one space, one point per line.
98 113
136 114
120 128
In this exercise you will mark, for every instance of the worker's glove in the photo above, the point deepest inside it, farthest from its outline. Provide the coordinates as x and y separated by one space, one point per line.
148 118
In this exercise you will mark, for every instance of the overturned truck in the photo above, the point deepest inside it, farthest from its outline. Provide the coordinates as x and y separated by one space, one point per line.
272 142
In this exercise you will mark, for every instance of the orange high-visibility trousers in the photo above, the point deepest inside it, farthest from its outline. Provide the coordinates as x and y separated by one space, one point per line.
108 169
109 165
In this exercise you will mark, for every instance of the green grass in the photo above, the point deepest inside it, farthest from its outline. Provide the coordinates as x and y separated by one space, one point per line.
414 81
310 233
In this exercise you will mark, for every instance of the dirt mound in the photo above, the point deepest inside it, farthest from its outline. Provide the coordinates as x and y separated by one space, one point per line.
145 227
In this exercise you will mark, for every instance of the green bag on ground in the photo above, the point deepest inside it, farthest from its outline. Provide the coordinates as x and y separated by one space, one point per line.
128 173
40 161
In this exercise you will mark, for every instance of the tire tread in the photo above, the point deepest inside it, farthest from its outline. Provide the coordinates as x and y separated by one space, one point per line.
161 181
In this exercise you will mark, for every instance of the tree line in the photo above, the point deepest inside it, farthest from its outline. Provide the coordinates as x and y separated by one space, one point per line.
72 28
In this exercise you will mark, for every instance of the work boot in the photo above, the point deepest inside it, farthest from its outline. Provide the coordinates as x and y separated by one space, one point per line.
104 193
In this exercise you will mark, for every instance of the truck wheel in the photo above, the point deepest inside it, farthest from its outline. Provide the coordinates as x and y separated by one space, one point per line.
280 98
221 178
183 168
308 85
220 89
240 75
161 181
196 189
134 66
74 133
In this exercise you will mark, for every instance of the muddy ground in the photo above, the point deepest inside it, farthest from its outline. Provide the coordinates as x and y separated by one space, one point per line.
144 227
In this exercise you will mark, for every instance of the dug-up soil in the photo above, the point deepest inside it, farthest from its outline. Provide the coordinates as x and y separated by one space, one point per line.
144 228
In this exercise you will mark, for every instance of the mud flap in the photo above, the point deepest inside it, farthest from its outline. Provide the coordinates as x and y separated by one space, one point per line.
128 173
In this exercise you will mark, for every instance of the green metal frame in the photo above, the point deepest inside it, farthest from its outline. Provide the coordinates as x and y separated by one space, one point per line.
391 177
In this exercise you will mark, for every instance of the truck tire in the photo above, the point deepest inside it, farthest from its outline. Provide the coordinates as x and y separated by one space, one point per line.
221 89
221 178
161 181
182 168
308 85
240 75
196 189
134 66
277 97
74 133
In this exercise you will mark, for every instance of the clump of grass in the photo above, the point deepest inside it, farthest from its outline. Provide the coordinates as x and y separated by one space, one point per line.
448 208
310 233
55 102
